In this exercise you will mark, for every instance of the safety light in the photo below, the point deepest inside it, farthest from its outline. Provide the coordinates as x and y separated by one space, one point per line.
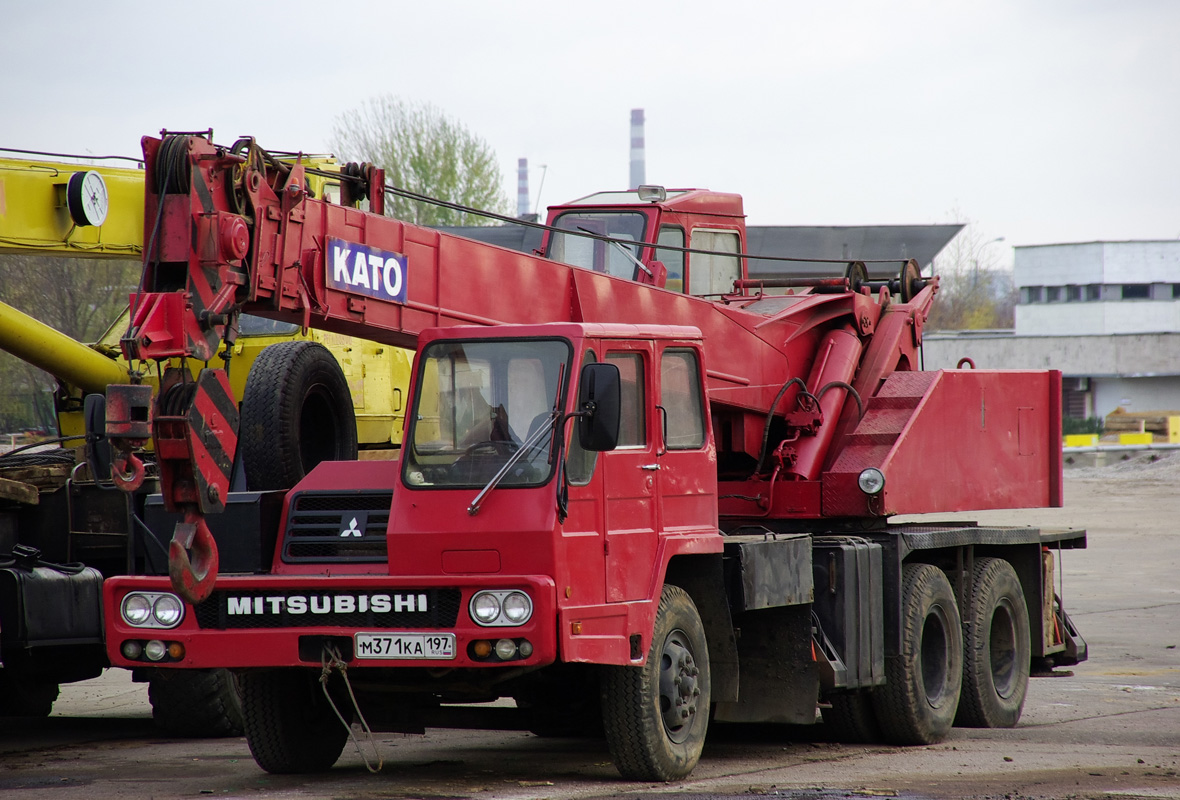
652 194
871 481
132 650
525 648
505 649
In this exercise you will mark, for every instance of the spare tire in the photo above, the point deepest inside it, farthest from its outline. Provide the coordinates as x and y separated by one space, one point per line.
296 412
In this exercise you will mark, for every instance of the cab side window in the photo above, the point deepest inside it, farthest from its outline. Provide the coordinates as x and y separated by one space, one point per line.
680 397
632 430
713 274
673 259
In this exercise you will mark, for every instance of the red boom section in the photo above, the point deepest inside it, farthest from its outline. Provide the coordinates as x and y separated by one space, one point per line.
229 231
298 244
953 440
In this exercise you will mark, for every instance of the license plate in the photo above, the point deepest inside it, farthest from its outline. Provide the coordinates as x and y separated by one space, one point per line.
394 646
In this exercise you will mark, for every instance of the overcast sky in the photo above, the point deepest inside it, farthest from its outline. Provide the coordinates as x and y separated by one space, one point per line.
1040 120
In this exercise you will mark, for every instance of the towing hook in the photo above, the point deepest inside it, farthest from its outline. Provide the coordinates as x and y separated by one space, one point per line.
127 471
192 579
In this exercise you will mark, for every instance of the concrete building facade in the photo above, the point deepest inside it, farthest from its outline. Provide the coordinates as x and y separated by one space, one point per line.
1107 314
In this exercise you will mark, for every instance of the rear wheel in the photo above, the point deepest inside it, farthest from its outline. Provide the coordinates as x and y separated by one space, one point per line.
196 703
290 726
655 716
851 719
921 693
996 648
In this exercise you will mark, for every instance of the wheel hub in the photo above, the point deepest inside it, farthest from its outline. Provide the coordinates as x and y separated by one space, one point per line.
679 686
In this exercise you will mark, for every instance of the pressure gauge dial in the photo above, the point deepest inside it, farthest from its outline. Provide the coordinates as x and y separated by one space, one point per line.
86 198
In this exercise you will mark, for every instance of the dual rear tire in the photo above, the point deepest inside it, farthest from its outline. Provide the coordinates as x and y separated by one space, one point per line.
967 667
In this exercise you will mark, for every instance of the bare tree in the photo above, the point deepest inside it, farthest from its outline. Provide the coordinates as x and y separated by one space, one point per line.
425 151
975 291
79 297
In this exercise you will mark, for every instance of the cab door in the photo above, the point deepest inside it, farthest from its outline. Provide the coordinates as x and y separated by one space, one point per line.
687 478
629 475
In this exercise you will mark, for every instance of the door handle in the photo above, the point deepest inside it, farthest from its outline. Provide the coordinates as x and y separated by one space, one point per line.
651 467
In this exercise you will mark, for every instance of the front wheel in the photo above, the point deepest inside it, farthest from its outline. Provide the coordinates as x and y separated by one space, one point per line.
655 716
996 648
21 696
917 704
290 726
195 703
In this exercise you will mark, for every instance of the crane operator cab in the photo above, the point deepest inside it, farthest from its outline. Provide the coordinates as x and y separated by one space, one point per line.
597 232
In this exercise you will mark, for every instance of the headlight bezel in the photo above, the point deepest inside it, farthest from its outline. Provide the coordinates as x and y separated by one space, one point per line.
159 607
516 599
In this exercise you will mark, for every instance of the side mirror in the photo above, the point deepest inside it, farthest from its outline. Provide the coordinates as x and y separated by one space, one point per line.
655 275
599 404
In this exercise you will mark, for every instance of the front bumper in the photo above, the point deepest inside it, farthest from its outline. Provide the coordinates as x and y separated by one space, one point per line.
272 621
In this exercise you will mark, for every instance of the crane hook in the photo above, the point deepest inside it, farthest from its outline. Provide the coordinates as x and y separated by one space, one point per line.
127 471
192 580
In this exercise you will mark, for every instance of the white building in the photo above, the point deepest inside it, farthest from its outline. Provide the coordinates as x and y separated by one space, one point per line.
1107 314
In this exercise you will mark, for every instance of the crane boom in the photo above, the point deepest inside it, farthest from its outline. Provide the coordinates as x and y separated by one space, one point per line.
233 229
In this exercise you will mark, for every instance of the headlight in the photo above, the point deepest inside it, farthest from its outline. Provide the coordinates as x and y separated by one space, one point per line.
501 607
167 610
152 610
517 607
871 481
485 607
137 609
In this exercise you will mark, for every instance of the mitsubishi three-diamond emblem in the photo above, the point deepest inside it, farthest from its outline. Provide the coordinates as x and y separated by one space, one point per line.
353 525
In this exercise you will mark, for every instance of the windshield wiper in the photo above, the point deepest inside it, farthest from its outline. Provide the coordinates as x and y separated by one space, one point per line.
621 247
526 447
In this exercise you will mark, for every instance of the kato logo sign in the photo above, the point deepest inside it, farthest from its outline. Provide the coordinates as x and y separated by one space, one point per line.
358 269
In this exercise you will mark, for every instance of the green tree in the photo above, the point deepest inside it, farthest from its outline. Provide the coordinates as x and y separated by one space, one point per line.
80 297
975 290
425 151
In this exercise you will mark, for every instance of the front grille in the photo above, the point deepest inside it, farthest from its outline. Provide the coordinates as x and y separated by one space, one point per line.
229 610
333 527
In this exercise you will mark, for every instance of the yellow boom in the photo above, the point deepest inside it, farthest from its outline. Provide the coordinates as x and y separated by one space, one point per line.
56 353
35 218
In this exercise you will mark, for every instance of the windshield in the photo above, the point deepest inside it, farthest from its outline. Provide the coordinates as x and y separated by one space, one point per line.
477 404
595 254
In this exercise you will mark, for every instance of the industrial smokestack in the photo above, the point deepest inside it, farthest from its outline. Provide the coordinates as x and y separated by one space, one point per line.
638 177
522 187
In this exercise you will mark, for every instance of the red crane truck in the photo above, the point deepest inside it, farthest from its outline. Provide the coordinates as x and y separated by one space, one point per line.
636 488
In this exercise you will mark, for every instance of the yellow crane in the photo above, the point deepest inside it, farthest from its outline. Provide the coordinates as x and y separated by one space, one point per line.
45 209
51 513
